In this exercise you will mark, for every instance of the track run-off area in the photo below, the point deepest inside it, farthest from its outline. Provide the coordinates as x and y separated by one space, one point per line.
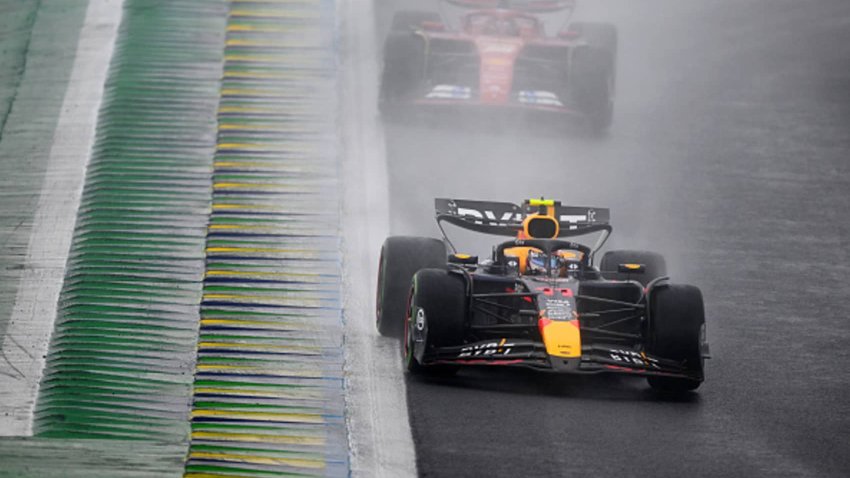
194 194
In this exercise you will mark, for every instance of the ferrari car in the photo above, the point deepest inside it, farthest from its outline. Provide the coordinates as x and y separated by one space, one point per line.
499 55
539 301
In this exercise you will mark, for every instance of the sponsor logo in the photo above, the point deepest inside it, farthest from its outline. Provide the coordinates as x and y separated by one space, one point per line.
543 98
558 309
499 48
450 92
634 358
506 217
500 348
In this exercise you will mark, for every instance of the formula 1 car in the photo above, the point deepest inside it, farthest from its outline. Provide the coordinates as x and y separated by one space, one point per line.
539 302
501 56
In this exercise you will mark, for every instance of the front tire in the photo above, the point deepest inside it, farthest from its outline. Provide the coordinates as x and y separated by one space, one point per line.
436 317
401 257
677 332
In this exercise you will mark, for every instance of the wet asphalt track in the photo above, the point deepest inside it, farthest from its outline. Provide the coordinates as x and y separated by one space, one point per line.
730 153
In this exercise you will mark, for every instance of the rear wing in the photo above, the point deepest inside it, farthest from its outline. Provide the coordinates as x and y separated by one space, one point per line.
530 6
505 219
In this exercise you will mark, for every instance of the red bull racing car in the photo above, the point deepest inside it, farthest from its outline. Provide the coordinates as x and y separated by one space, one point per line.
539 301
499 55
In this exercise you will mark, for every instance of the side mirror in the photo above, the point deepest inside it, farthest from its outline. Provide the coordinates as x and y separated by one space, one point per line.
631 268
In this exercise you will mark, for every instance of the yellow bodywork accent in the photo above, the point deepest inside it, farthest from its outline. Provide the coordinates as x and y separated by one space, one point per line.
541 202
632 267
562 338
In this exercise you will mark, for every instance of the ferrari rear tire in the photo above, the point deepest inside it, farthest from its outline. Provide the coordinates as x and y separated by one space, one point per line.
654 265
401 257
436 317
595 73
677 332
592 82
403 75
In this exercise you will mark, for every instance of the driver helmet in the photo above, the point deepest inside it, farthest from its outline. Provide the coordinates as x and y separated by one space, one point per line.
537 262
563 264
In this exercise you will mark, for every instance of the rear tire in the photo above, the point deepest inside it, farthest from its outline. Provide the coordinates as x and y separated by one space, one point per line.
403 77
436 317
654 264
677 332
593 87
595 73
400 258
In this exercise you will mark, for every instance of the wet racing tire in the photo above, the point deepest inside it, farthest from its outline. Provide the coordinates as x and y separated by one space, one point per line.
593 87
436 317
401 257
403 75
654 265
594 73
677 332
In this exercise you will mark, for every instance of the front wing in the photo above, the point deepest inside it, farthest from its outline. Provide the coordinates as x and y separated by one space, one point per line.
531 354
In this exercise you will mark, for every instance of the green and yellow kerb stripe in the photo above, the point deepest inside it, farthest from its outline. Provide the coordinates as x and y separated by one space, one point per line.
268 397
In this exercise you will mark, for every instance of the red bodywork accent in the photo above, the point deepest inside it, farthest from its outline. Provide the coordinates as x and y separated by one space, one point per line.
549 292
625 369
498 50
542 323
498 57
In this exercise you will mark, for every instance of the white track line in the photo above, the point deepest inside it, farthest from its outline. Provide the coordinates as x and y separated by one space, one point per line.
378 424
25 345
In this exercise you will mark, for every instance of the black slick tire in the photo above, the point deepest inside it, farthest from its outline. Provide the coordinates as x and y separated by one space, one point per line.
401 257
436 315
654 265
677 332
